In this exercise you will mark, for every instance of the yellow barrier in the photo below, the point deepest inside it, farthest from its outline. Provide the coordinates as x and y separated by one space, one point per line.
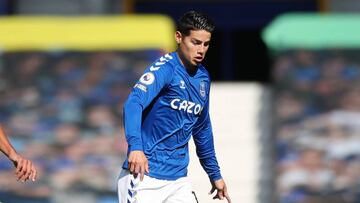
126 32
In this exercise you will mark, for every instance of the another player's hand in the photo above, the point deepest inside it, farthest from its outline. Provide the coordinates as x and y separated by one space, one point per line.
221 190
138 164
25 169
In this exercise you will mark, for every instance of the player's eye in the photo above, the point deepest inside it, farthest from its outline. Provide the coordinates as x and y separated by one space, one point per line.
196 42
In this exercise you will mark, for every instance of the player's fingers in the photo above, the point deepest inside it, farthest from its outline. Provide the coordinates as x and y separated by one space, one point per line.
33 173
27 170
226 194
36 175
137 169
133 170
21 169
227 197
142 171
19 165
131 167
220 194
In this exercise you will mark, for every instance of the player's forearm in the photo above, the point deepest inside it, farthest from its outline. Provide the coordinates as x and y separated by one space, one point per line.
206 153
5 145
205 150
211 167
132 124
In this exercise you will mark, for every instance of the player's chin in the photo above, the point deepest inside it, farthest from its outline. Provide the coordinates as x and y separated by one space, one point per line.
197 62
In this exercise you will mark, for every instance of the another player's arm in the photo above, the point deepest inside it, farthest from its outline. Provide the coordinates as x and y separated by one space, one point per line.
144 91
204 142
25 169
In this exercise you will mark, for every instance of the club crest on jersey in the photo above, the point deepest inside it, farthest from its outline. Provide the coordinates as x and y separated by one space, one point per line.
182 84
147 78
203 89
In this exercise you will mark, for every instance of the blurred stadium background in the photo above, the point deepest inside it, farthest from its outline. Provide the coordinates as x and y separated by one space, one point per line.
285 99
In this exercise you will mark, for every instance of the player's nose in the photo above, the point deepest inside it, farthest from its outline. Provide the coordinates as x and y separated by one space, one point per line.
201 49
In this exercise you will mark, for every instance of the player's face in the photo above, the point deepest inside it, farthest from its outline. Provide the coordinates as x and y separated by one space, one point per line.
192 48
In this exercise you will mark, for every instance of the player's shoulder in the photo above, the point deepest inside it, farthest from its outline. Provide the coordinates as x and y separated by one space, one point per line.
163 63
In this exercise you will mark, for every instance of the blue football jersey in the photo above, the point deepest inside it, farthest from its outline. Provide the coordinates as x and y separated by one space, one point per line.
165 108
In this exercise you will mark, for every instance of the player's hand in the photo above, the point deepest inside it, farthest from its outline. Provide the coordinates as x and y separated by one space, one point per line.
138 164
25 169
221 190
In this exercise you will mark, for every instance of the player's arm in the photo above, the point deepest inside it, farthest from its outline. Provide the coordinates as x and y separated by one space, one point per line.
204 142
144 91
25 169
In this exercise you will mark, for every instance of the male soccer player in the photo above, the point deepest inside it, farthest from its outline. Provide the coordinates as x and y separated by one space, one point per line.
168 105
25 169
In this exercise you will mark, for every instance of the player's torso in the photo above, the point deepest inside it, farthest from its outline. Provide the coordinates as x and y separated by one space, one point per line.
171 117
186 95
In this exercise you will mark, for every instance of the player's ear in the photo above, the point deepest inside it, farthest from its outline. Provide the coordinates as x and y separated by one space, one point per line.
178 37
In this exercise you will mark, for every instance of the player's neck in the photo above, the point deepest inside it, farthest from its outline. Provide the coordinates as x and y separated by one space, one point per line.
190 68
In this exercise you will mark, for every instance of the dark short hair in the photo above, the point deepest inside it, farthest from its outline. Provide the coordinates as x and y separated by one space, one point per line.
193 20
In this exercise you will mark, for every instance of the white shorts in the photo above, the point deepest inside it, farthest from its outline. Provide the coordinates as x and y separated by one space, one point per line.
152 190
